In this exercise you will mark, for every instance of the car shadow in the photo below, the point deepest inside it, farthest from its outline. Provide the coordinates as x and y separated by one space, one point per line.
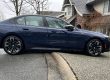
104 56
49 52
36 52
75 52
65 52
85 54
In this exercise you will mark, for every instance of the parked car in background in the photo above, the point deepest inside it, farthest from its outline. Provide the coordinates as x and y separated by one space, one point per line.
49 33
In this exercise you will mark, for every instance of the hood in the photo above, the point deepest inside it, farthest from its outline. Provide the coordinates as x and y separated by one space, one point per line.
91 33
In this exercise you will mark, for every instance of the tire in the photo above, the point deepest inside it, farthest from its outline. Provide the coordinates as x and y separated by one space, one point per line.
94 47
12 45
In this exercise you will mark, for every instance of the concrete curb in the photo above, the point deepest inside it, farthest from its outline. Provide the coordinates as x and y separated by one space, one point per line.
53 71
65 70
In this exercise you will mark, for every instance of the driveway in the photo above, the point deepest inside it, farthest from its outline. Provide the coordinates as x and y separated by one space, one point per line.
29 66
89 68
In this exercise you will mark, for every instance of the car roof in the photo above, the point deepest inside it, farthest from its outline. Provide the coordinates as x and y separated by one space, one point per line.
7 20
33 15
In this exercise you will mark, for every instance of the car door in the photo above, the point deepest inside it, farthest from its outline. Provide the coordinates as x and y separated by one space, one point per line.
34 31
75 39
57 34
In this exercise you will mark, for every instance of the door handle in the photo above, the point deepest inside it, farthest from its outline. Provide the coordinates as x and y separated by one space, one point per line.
57 32
53 32
25 29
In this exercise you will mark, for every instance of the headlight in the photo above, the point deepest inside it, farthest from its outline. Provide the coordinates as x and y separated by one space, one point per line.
108 38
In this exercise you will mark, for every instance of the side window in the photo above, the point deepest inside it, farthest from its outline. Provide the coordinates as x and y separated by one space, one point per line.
55 23
34 21
21 21
109 6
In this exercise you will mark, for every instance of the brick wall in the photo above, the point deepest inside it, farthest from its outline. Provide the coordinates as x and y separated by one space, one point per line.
95 22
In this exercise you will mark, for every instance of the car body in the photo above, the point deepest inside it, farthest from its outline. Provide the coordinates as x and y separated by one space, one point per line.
46 32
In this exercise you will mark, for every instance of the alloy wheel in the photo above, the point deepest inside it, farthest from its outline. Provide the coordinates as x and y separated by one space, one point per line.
94 47
12 45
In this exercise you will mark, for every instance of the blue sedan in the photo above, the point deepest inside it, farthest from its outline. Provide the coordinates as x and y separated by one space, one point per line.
49 33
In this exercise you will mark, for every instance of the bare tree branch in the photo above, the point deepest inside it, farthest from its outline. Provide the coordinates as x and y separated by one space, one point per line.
8 6
17 4
34 6
38 5
20 6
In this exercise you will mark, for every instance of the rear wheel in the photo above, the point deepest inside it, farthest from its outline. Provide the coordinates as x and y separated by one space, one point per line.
94 47
12 45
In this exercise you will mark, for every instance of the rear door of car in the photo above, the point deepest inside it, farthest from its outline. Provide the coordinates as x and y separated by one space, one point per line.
35 31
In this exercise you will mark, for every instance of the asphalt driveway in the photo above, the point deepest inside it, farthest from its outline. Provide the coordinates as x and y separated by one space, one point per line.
32 66
89 68
22 67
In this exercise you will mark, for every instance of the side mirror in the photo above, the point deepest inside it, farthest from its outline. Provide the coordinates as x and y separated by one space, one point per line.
69 27
78 26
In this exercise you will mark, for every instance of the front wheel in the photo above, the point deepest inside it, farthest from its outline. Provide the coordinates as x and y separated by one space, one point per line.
94 47
12 45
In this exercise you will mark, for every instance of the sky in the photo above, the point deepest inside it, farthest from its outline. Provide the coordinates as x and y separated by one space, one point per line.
54 5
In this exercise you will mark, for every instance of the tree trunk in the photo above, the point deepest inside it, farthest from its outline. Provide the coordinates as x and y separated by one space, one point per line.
16 8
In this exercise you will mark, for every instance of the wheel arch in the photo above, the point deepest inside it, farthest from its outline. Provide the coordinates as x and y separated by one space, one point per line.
94 38
14 34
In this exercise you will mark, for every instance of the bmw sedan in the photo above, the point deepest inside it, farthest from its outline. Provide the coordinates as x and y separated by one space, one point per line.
49 33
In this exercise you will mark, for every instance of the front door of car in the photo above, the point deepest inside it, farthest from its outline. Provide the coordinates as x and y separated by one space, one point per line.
75 39
57 35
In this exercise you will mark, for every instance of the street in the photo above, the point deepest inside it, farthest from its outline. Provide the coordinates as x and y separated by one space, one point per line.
35 66
29 66
89 68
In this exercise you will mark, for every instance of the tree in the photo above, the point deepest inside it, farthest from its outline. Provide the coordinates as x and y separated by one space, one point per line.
38 5
16 6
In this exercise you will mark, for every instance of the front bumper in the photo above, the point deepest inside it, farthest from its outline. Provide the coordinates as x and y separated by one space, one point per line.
0 43
106 45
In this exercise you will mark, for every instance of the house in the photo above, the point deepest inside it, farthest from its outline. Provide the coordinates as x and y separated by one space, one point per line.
89 14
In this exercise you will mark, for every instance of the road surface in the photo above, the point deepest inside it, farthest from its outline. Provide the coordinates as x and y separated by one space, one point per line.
29 66
89 68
